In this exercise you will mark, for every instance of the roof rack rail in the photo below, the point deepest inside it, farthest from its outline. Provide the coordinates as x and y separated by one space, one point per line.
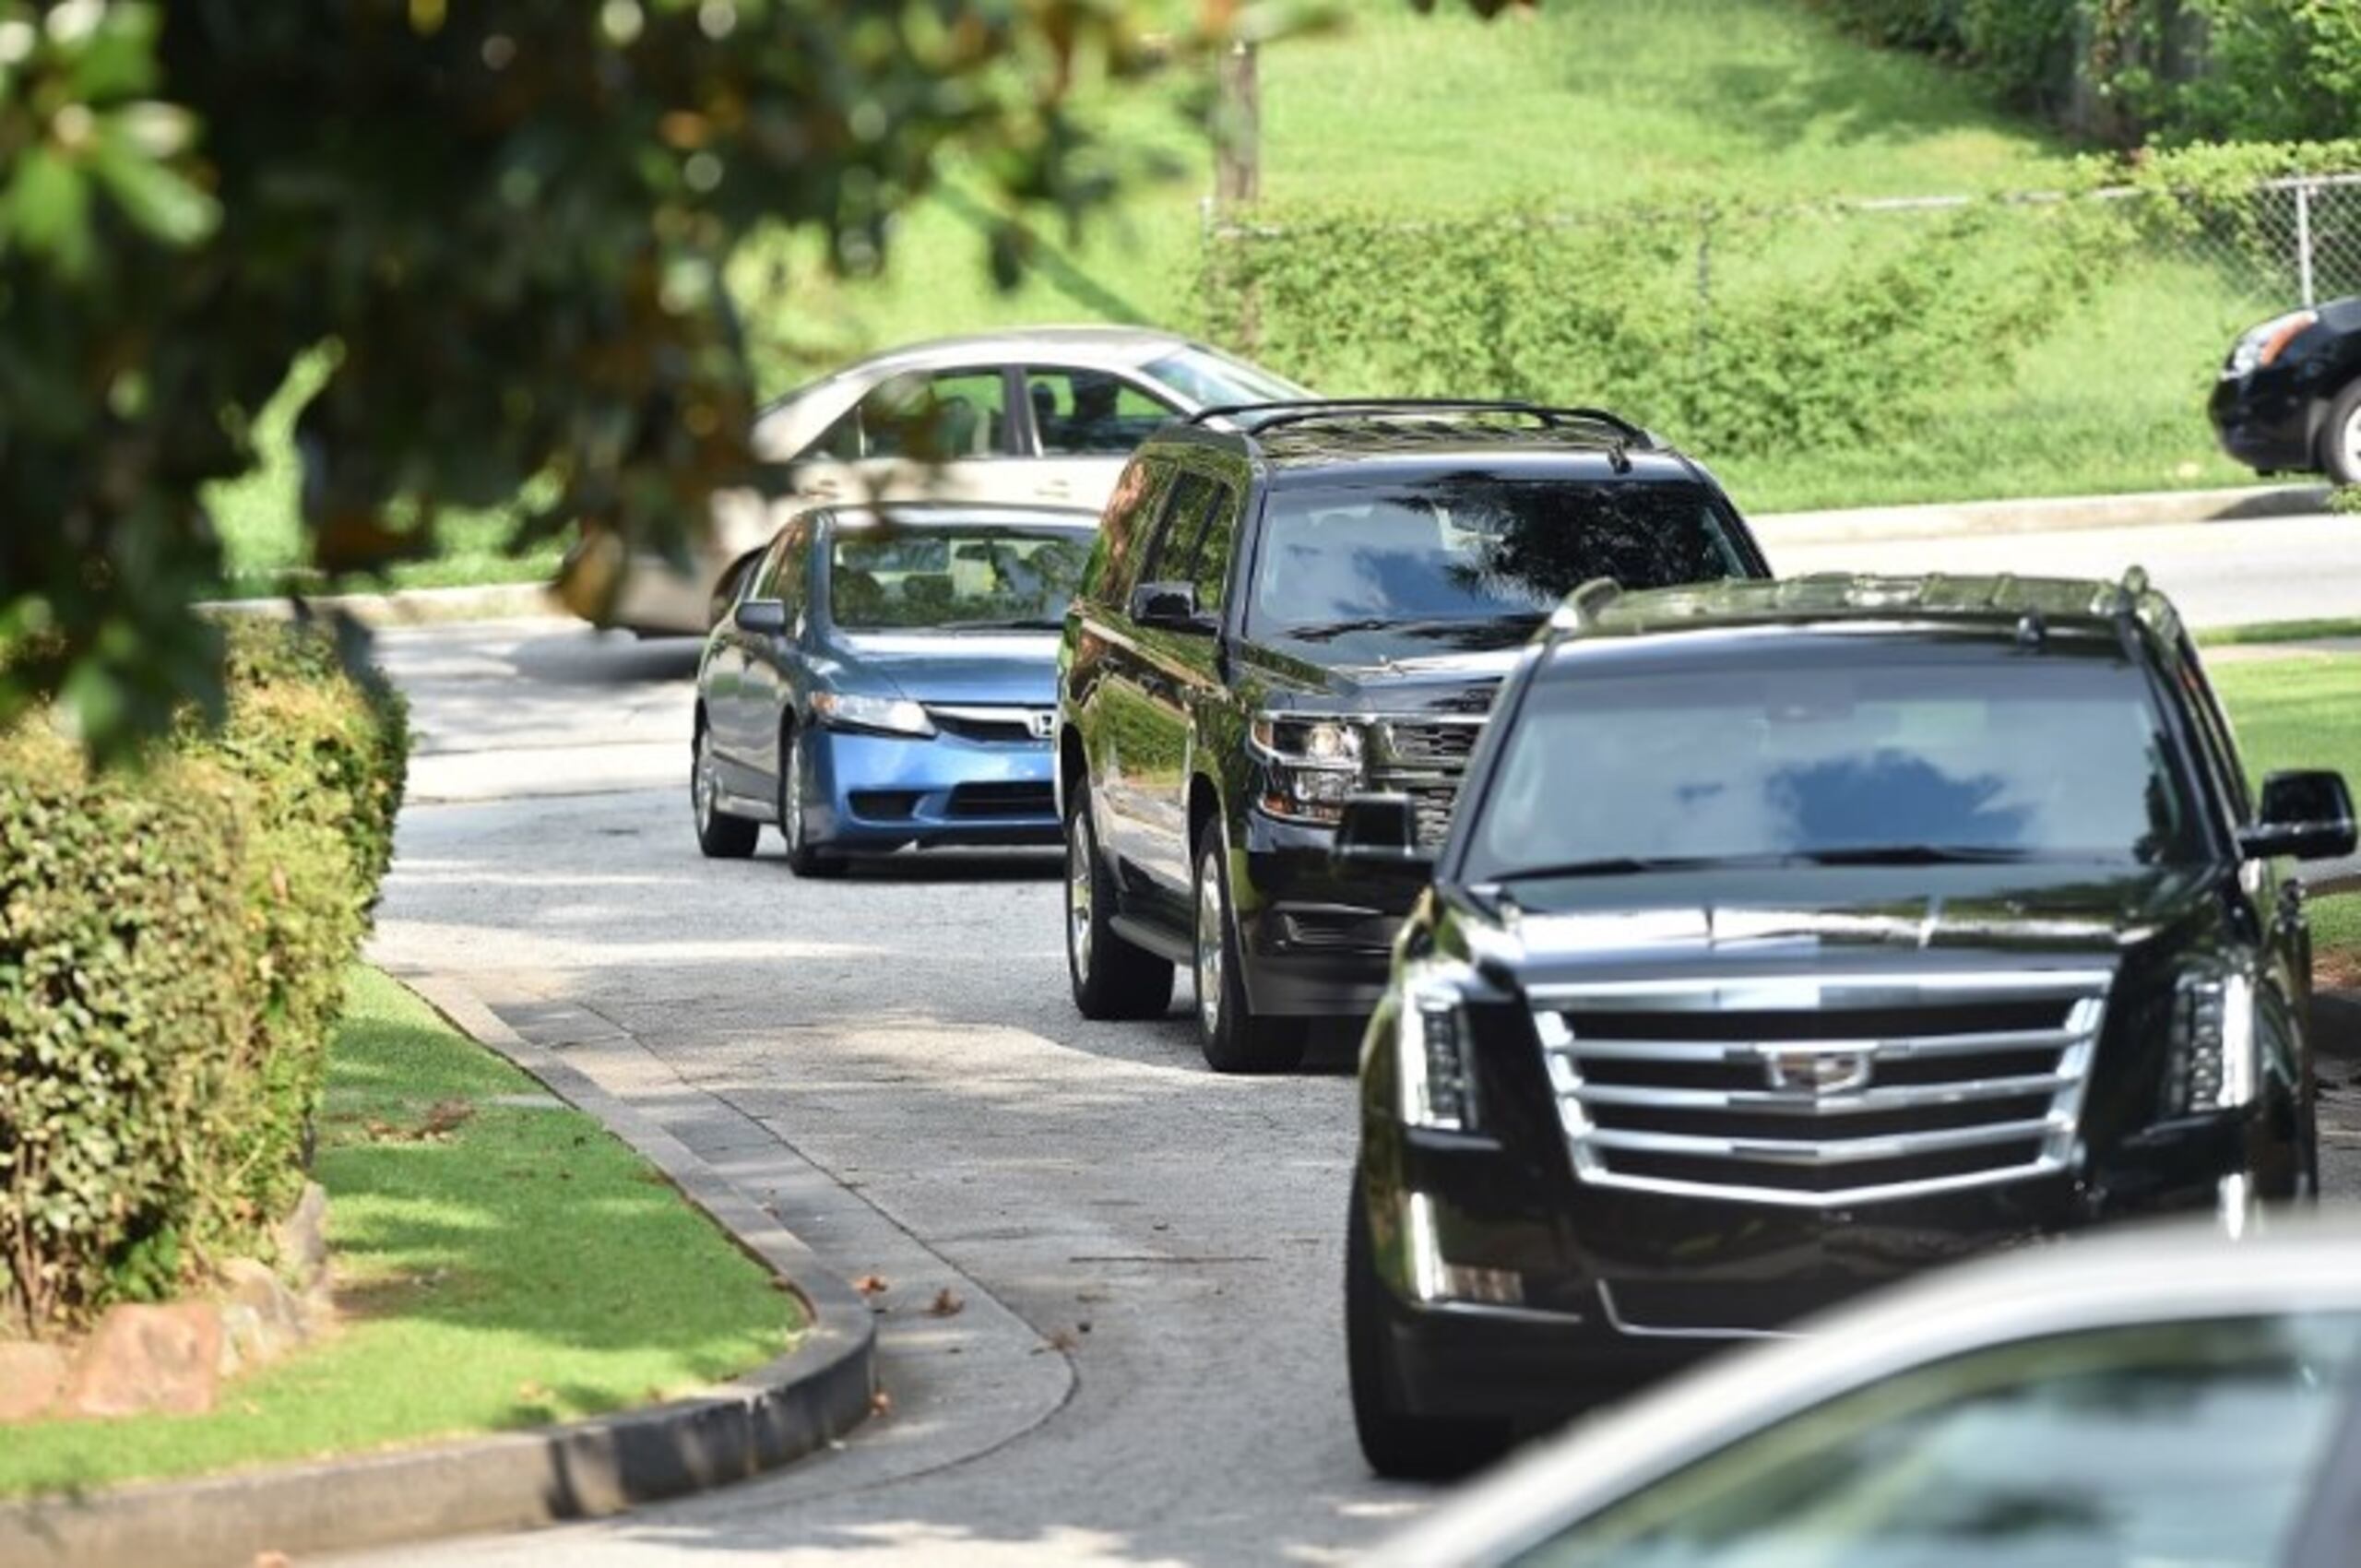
1308 410
1582 607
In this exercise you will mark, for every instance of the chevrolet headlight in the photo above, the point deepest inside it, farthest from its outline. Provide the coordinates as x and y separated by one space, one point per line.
1311 767
1437 1080
2213 1064
893 716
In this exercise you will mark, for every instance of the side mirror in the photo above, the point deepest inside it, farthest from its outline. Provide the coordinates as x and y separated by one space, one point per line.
766 617
2307 815
1379 834
1168 607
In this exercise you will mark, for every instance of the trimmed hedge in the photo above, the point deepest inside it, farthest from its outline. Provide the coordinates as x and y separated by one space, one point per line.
1748 334
172 947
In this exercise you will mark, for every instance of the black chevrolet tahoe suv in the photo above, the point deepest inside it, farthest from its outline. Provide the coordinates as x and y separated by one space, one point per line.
1290 604
1793 936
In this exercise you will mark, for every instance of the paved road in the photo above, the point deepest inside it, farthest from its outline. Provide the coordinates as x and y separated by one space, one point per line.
1165 1383
2221 574
1147 1367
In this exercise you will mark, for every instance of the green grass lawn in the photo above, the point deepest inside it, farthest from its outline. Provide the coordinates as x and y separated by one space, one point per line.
2305 711
525 1268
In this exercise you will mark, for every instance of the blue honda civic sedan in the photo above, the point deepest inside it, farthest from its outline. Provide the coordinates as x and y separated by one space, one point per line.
888 678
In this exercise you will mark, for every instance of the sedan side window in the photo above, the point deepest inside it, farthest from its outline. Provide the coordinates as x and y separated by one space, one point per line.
960 414
2182 1443
1091 412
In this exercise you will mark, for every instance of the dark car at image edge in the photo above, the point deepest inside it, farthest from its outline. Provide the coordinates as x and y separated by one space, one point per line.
1791 938
1292 603
2288 400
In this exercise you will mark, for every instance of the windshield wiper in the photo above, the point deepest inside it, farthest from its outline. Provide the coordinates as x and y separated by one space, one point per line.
1034 626
1916 855
1633 865
1408 625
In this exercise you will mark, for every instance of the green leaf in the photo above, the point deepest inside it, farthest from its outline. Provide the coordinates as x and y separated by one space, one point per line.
48 210
153 195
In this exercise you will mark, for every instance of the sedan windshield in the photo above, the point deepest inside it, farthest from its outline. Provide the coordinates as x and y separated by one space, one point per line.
955 579
1472 560
1877 761
1209 378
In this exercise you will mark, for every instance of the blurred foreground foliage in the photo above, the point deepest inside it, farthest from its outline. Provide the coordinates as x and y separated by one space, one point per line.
500 225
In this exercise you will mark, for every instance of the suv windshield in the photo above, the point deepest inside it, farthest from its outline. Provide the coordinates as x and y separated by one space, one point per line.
1883 759
1469 559
955 579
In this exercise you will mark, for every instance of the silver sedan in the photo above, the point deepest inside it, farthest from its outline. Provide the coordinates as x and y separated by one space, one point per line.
2173 1398
1042 415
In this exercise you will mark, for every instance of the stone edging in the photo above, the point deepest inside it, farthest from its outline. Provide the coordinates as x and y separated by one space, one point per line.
795 1405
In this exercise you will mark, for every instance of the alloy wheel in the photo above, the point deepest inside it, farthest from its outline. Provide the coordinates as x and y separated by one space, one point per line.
2349 439
1210 924
704 789
790 802
1078 896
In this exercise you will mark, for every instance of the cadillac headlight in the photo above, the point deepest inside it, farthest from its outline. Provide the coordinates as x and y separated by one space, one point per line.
2213 1064
892 716
1438 1078
1311 767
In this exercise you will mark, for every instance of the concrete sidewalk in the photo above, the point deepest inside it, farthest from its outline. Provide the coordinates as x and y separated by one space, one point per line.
1951 520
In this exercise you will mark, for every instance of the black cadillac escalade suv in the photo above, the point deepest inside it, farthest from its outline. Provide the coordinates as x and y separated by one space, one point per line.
1791 937
1290 604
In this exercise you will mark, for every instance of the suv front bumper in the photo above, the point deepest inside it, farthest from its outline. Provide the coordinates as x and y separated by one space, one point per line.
1315 945
1617 1289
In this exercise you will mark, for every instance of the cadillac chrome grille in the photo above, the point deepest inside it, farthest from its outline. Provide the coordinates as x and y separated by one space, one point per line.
1820 1091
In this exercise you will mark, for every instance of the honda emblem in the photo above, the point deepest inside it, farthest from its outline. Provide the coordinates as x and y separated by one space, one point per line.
1042 722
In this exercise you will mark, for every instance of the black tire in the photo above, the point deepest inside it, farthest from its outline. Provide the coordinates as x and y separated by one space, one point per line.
1234 1039
720 836
2340 438
1113 979
804 858
1398 1444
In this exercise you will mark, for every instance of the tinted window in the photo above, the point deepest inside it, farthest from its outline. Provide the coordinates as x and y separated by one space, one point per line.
938 418
1174 545
1470 556
954 579
1089 412
1200 531
2156 1446
2055 757
1127 527
1207 378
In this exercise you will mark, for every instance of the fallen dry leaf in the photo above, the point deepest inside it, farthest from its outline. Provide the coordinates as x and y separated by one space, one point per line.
880 1403
871 1284
947 1303
443 1115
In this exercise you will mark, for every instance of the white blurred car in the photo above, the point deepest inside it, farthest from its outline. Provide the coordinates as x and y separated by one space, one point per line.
1042 415
2159 1399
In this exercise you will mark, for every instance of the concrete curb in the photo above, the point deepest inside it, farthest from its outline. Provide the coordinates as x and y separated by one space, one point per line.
412 607
801 1402
1950 519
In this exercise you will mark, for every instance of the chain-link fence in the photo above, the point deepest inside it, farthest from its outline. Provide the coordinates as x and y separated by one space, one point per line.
1951 345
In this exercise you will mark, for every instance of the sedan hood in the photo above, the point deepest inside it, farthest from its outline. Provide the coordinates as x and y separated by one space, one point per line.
984 667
